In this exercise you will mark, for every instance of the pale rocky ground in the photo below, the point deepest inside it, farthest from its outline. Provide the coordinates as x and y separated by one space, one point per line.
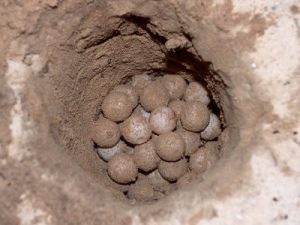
256 49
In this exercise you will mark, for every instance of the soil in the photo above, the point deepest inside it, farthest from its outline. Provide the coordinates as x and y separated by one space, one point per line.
59 58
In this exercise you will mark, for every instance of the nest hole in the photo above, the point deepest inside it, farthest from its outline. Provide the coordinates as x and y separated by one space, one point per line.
101 55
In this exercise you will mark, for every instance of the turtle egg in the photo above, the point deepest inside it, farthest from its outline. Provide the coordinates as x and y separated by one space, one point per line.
191 140
136 130
129 91
122 169
117 106
153 96
105 133
163 120
213 130
195 116
171 171
107 153
170 146
175 85
196 92
145 156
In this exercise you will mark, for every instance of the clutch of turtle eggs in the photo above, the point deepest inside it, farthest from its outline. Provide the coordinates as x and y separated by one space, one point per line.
155 132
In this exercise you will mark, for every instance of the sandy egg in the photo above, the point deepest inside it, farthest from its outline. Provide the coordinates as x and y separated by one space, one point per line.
122 169
196 92
145 156
213 130
142 190
139 82
105 133
170 146
177 106
191 140
129 91
136 130
171 171
153 96
175 85
195 116
107 153
117 106
162 120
